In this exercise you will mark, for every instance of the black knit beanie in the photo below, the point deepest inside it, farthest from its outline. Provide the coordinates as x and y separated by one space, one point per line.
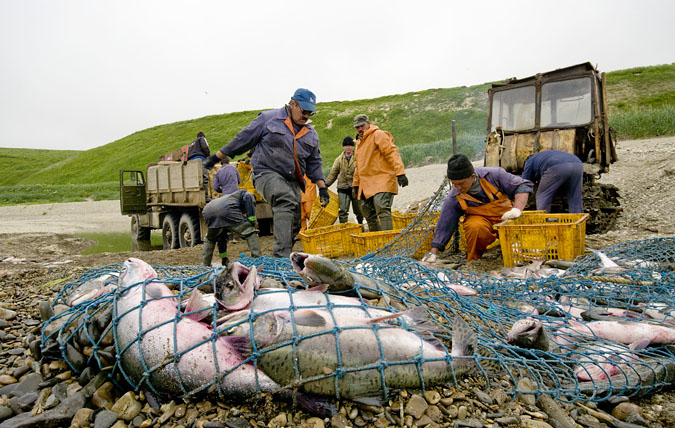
459 167
348 141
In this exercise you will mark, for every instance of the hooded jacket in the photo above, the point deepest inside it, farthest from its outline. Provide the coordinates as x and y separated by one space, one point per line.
378 163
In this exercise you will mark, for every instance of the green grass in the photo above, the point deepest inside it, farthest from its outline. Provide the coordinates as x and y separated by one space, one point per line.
640 102
116 242
54 193
644 122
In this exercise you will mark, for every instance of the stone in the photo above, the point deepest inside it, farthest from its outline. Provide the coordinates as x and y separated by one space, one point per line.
416 406
105 419
313 423
535 423
278 421
525 384
102 397
339 421
483 397
127 407
7 379
623 410
432 397
30 383
434 413
81 418
56 417
462 412
5 412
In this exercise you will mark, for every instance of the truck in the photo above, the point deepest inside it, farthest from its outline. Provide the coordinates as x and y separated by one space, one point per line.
170 196
564 109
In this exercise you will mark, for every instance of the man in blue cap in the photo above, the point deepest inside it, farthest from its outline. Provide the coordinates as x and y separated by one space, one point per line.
285 149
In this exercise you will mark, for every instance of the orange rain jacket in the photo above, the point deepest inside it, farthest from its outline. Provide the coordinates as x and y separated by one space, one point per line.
378 163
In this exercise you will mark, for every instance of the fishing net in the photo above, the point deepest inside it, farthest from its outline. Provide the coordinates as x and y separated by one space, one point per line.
576 364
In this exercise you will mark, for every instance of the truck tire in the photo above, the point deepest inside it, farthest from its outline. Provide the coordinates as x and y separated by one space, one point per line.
188 230
140 236
170 233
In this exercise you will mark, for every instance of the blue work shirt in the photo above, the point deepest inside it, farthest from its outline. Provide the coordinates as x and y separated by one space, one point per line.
272 142
508 184
226 180
538 163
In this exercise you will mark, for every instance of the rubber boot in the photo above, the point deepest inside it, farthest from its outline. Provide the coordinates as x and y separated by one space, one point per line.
254 245
207 252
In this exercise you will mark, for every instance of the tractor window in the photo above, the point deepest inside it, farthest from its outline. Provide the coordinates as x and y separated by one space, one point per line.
566 103
513 109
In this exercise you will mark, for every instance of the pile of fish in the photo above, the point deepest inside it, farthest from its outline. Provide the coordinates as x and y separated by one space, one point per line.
314 328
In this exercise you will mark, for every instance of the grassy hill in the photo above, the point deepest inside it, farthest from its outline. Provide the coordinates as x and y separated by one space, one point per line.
641 100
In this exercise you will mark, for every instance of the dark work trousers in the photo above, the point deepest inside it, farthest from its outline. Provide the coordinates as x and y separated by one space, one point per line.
377 211
284 197
565 177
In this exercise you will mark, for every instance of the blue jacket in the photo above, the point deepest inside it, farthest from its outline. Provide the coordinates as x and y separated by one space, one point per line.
508 184
536 164
272 144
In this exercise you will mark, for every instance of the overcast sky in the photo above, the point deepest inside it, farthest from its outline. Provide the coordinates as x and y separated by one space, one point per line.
78 74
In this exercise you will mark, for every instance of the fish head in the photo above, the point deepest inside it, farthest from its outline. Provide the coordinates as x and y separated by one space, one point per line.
134 271
236 287
315 269
528 333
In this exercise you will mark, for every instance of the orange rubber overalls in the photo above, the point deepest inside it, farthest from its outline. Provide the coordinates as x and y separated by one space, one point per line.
308 198
478 221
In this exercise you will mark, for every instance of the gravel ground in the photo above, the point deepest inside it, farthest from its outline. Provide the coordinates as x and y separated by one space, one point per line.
39 252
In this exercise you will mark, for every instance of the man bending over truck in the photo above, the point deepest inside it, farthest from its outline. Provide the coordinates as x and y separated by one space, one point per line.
231 213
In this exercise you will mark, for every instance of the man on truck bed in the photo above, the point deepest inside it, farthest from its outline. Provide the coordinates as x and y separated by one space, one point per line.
286 148
199 149
483 197
231 213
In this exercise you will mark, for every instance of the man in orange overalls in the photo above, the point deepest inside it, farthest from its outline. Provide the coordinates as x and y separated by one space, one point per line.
484 196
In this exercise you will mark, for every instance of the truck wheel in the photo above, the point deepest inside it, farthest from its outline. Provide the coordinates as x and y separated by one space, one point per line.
189 232
140 236
170 240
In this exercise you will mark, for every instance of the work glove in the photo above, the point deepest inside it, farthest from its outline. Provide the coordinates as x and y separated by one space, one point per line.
402 180
210 161
511 214
429 257
355 192
252 219
324 197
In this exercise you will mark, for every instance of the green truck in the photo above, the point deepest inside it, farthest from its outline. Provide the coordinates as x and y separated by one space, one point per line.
170 196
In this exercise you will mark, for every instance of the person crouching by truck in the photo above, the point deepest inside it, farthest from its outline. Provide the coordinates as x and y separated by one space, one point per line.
483 196
555 171
232 213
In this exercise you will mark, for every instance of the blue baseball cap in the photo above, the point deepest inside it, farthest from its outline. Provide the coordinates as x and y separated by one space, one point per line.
305 98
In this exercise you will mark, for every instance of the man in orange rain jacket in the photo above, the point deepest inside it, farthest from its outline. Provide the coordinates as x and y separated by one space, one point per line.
379 171
483 196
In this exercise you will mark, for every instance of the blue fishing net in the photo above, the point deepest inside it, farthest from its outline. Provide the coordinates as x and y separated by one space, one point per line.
581 366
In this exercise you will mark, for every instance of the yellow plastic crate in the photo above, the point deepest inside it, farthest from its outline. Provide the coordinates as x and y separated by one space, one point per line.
324 216
401 221
367 242
542 237
426 235
329 241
